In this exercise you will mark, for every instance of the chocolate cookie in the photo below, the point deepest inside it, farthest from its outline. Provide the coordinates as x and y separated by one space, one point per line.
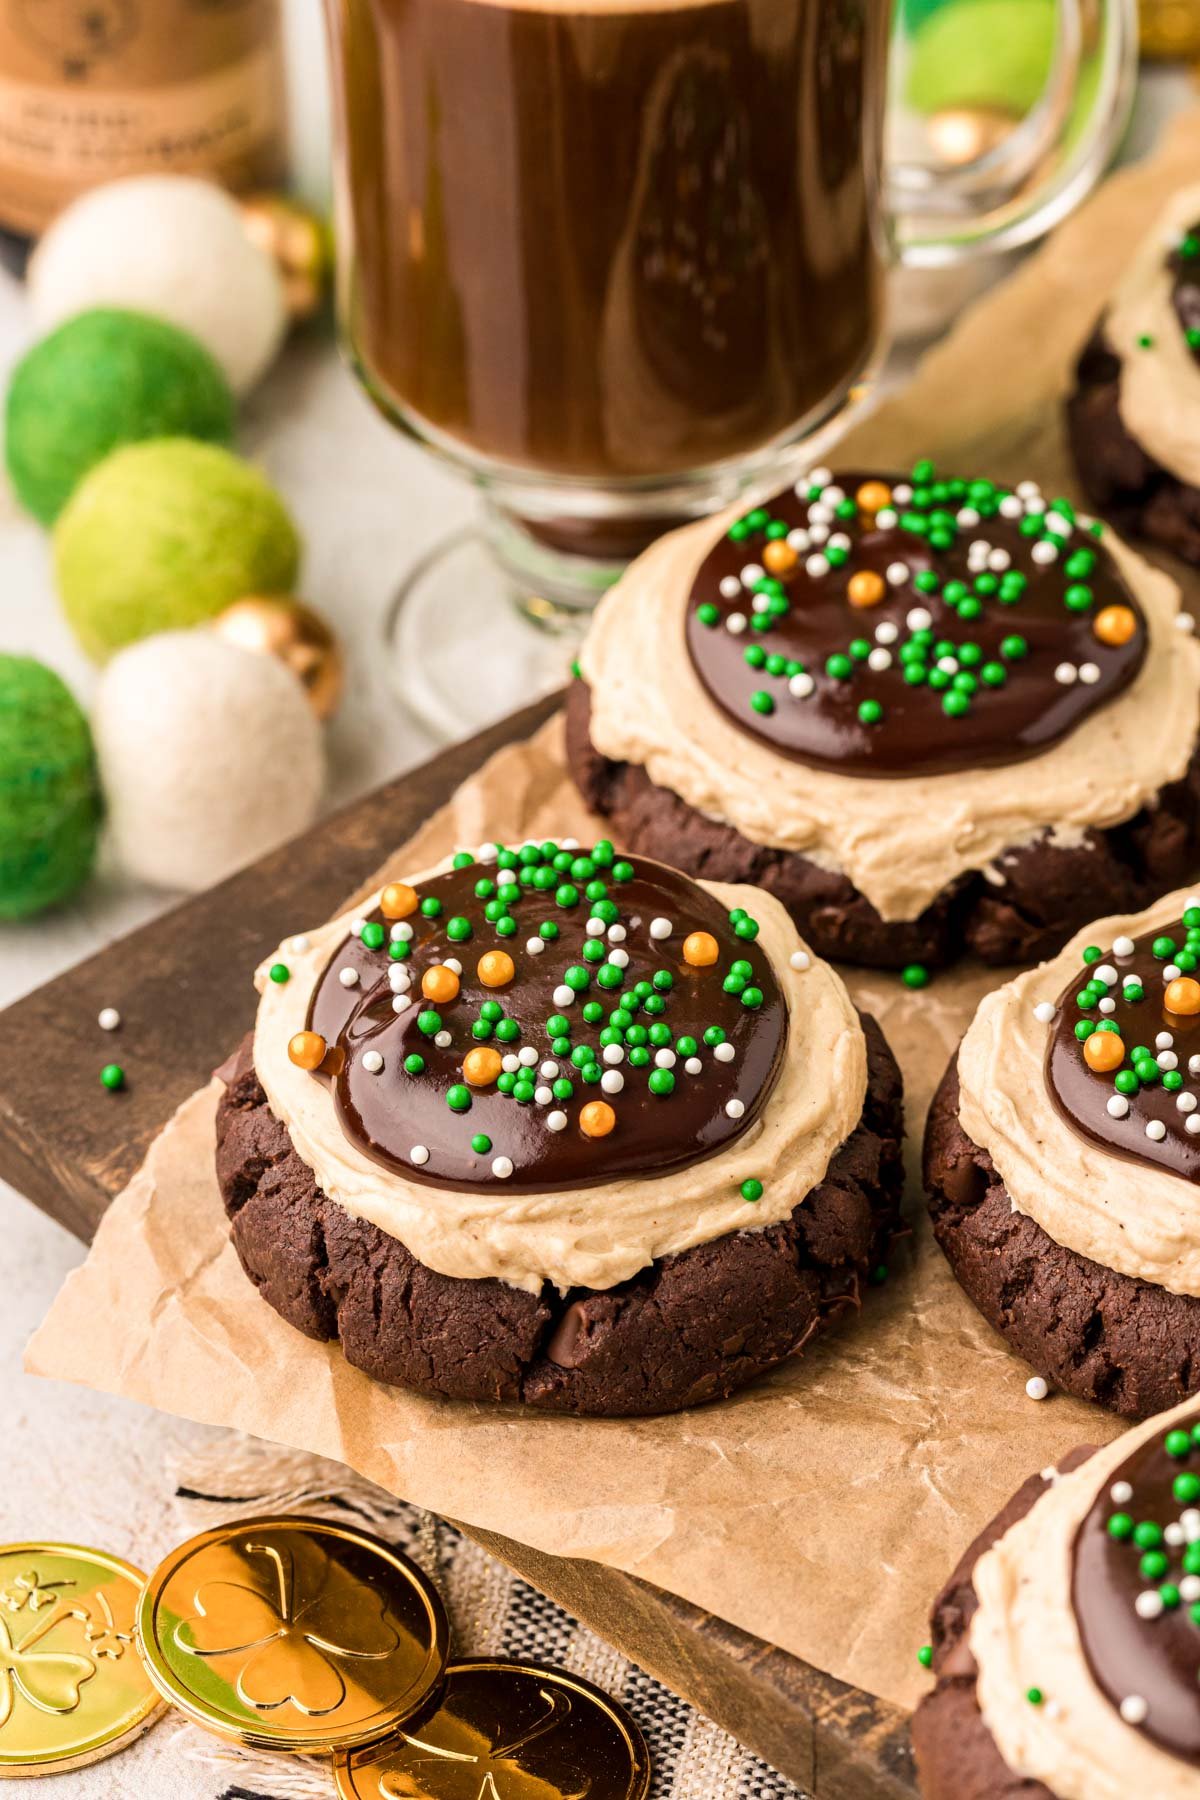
1120 478
1023 909
957 1758
1124 1343
690 1328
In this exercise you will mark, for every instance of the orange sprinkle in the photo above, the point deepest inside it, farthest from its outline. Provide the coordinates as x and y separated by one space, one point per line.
873 496
440 983
1181 996
481 1067
779 557
495 968
398 900
866 588
1103 1051
597 1119
1115 624
700 948
307 1050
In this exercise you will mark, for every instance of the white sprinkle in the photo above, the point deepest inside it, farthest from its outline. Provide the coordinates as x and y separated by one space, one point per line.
299 944
401 1002
1037 1387
1194 1065
816 566
1035 504
1050 1475
1173 1534
1163 1041
443 1040
568 843
919 618
799 960
1171 972
839 541
660 928
510 1062
1189 1588
612 1081
730 588
1053 1709
1044 1012
967 517
401 932
1192 1123
616 934
1058 525
487 853
801 686
535 945
1106 973
902 493
1107 1005
887 632
1089 673
980 547
751 573
834 495
452 962
543 1096
619 958
506 878
348 977
818 533
356 927
502 1167
949 664
1156 1129
372 1062
418 1154
998 560
1028 490
1044 551
797 538
527 1055
1117 1106
736 622
820 514
399 979
1167 1059
549 1069
1190 1520
1120 1493
1148 1605
724 1052
1123 946
761 603
1184 622
595 927
108 1018
1010 507
556 1121
693 1065
1134 1709
614 1053
1186 1103
897 574
886 517
563 996
879 659
1066 673
735 1108
664 1059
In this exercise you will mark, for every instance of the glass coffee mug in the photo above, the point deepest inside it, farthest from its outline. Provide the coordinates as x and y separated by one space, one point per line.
619 260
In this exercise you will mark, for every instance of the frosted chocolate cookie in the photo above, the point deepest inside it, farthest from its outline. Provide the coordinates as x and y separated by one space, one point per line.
560 1126
1134 415
927 714
1062 1161
1067 1642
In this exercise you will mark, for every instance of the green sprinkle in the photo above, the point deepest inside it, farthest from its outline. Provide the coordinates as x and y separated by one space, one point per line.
481 1143
112 1076
870 712
372 935
925 1655
1177 1443
280 973
429 1022
458 929
752 1189
1145 341
761 702
1034 1695
431 906
839 667
1120 1526
662 1082
916 975
708 614
458 1098
566 895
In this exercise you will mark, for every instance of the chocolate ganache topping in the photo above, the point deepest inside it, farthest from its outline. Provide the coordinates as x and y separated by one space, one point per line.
881 626
1123 1053
1135 1590
1184 264
547 1017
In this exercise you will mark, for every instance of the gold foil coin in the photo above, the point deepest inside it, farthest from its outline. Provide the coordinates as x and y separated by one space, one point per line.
72 1685
293 1634
506 1731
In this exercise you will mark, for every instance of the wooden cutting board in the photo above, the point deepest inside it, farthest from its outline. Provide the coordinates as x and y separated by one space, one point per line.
183 993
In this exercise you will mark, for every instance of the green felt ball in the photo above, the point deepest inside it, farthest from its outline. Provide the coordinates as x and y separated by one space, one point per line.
165 534
103 379
49 793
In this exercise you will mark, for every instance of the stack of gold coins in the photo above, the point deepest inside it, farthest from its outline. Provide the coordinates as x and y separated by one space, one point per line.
298 1636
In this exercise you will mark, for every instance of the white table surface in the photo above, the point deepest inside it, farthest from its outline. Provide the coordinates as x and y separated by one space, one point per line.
81 1466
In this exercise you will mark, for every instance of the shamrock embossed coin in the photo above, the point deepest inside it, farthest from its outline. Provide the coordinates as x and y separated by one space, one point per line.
506 1731
293 1634
72 1685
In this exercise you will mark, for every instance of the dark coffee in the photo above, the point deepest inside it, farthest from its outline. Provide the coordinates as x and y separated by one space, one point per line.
605 240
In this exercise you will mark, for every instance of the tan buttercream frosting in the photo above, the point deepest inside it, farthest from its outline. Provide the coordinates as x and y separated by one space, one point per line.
598 1236
1125 1215
900 842
1159 399
1024 1634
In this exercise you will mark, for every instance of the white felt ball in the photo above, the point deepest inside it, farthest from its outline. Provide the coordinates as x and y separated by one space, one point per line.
171 245
210 756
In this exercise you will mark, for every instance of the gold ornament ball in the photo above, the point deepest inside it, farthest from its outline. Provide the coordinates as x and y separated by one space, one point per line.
296 635
298 242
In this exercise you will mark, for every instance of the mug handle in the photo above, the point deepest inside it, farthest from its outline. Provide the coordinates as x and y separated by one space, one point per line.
1016 191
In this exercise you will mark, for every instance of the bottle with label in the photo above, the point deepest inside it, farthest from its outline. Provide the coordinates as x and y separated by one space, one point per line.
91 90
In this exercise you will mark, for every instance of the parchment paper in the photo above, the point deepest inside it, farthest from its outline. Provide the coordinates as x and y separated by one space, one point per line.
822 1508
